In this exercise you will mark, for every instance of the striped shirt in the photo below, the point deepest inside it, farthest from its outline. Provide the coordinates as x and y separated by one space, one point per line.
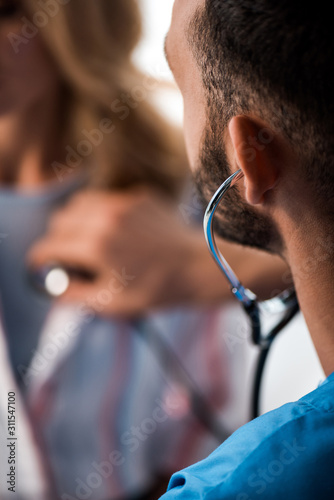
103 416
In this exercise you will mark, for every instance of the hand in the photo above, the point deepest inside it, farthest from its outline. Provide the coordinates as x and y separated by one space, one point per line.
142 256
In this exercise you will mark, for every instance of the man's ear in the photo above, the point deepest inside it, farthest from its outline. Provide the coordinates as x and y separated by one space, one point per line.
253 149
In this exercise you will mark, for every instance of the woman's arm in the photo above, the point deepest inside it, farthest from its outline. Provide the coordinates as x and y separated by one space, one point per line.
144 256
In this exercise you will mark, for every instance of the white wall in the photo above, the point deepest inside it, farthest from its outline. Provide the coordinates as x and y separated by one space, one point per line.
156 21
150 57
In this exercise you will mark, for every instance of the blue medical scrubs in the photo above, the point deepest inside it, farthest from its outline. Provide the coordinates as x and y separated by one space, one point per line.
286 454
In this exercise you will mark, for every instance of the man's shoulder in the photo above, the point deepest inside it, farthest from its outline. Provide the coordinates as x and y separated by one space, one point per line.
286 453
322 398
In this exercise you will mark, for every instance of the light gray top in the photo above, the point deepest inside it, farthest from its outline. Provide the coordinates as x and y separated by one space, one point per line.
23 220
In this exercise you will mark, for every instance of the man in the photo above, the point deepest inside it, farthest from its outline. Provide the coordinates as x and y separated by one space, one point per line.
257 82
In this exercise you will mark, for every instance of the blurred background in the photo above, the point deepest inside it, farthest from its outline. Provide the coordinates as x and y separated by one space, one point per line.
149 56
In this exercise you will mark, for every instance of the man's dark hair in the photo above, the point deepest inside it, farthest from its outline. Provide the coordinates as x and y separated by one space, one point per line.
275 57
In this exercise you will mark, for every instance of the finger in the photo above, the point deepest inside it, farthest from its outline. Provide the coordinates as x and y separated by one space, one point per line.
75 252
74 221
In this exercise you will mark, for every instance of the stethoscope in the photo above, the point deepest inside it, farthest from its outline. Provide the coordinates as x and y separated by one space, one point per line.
285 305
54 279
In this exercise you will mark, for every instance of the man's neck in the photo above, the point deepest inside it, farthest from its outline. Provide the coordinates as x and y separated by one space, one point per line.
310 254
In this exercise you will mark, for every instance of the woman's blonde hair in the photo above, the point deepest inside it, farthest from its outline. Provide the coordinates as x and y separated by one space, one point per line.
92 41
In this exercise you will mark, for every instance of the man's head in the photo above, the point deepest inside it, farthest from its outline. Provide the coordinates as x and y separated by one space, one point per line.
257 80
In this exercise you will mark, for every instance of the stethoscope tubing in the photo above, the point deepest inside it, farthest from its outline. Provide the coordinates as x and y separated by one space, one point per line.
285 304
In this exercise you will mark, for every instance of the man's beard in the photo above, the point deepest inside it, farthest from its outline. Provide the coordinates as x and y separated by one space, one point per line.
235 220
